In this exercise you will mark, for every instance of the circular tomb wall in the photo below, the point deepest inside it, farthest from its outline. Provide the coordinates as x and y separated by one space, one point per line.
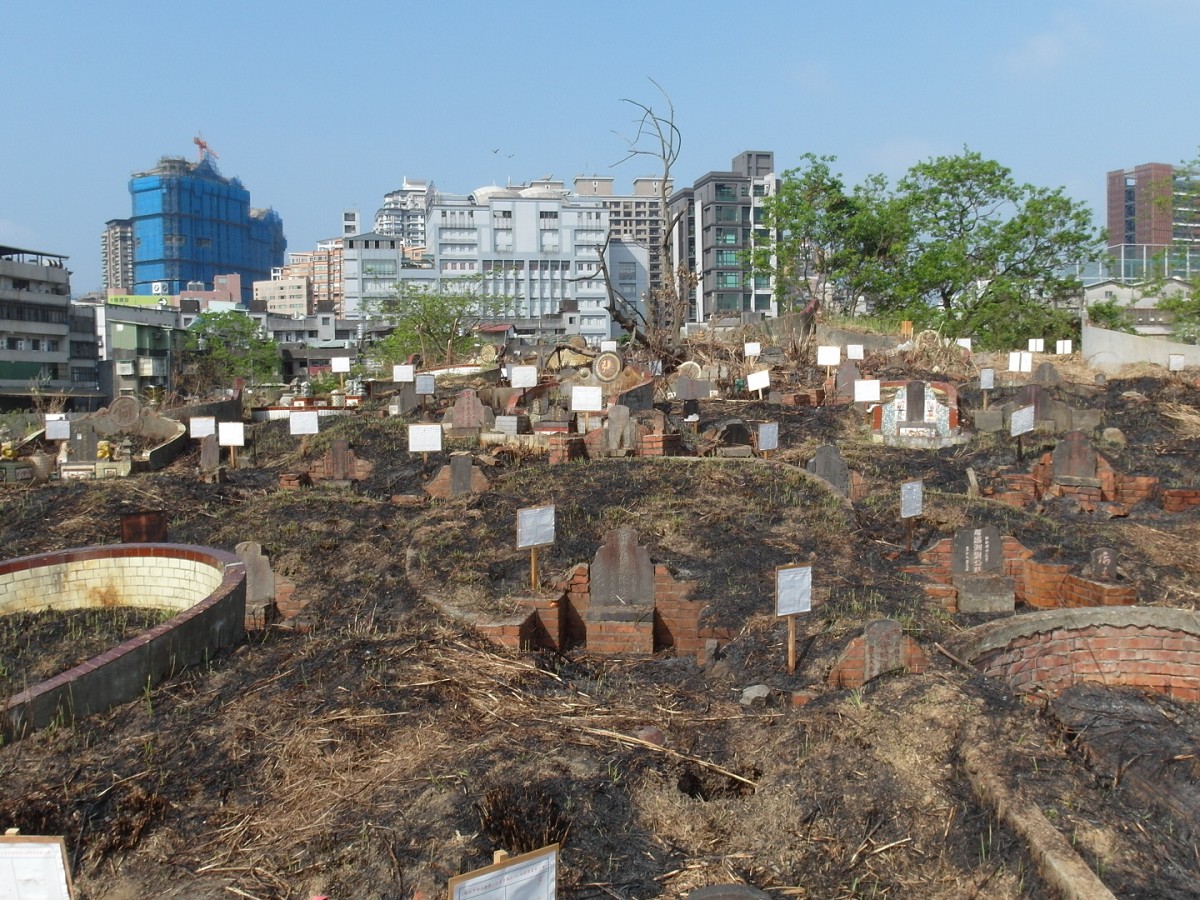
206 586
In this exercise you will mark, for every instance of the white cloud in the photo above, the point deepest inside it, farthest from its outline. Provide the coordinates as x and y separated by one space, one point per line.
1046 51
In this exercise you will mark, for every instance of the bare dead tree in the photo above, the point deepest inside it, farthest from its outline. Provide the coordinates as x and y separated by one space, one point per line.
658 137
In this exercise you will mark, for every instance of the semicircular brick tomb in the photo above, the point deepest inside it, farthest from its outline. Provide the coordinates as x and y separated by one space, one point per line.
206 586
1145 647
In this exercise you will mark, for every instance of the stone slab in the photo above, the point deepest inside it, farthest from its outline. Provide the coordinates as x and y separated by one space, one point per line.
985 593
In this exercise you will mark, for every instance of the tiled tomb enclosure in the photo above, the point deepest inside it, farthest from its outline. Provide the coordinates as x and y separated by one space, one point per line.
206 586
1143 647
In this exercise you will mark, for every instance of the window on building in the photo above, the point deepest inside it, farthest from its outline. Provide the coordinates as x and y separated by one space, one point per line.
727 258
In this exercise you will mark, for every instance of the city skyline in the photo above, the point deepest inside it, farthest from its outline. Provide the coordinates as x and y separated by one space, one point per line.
317 113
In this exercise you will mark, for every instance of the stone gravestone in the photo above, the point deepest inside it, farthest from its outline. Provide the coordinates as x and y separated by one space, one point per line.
692 388
461 470
622 590
341 468
1104 564
210 454
1046 375
1075 461
883 648
828 463
469 416
260 584
83 442
977 567
847 374
1035 395
914 410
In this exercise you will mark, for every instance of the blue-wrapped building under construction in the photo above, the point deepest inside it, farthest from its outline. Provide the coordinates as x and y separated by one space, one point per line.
191 223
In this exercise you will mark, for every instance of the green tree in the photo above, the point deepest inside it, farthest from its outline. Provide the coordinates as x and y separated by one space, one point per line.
989 257
436 322
1185 316
1111 315
221 346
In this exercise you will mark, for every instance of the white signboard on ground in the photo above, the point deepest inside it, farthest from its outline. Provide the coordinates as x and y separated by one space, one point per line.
524 376
530 876
403 374
304 421
752 348
829 356
866 390
607 346
758 381
57 429
1063 348
854 351
340 364
202 426
1037 345
34 868
912 499
987 379
768 436
1021 421
424 438
587 398
1175 362
231 434
535 526
793 590
426 386
965 343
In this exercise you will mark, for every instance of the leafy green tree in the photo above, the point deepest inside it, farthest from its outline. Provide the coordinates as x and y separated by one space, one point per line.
1111 315
221 346
1185 316
436 322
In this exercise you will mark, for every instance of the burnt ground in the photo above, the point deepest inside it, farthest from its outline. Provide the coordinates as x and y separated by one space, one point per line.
391 748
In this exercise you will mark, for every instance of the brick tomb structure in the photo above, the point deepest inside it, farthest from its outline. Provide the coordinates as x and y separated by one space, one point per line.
1040 585
621 603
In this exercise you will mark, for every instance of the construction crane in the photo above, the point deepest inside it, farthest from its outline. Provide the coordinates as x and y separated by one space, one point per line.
203 150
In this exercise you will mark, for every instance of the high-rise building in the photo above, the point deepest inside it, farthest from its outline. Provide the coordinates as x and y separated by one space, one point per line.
323 269
636 217
190 224
720 224
1153 221
403 213
116 248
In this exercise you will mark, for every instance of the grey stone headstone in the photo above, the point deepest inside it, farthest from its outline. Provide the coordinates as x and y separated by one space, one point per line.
883 648
828 463
977 551
1086 419
622 579
83 442
775 398
469 412
989 420
692 388
210 453
1034 395
618 428
461 465
341 468
1075 461
847 374
914 401
260 579
1104 564
985 593
1046 375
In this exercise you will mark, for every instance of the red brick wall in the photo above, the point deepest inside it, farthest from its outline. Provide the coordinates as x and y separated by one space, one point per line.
1157 659
660 445
565 447
850 669
1180 499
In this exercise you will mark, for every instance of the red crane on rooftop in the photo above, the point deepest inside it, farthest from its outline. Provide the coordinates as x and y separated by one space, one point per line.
203 150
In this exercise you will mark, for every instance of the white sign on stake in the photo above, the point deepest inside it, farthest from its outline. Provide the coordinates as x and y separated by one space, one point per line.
202 426
987 379
530 876
524 376
34 868
758 381
1021 421
340 364
965 343
535 527
231 434
1014 361
403 374
58 429
1036 345
587 398
866 390
1063 348
829 356
424 438
426 386
1027 362
752 348
912 497
607 346
793 590
854 351
304 421
1175 362
768 436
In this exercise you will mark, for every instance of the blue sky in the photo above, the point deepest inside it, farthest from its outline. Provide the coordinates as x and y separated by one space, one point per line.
320 107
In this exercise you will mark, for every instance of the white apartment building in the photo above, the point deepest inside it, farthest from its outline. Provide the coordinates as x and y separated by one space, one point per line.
285 295
403 213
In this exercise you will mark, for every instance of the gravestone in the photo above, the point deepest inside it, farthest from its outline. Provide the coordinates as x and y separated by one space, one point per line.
1035 395
1075 461
210 454
513 425
692 388
1104 564
775 397
977 566
461 476
618 431
914 401
260 579
622 580
341 468
461 468
847 374
883 648
828 463
1046 375
84 441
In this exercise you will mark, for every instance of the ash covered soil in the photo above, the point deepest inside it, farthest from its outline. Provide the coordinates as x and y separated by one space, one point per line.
391 748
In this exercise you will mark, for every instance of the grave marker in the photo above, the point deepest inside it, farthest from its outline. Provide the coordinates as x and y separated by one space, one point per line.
758 381
618 428
752 349
529 876
977 551
231 435
1074 461
883 648
912 501
1104 564
1175 362
828 463
866 390
854 351
847 375
793 596
202 426
58 429
34 868
768 437
404 374
535 528
210 454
